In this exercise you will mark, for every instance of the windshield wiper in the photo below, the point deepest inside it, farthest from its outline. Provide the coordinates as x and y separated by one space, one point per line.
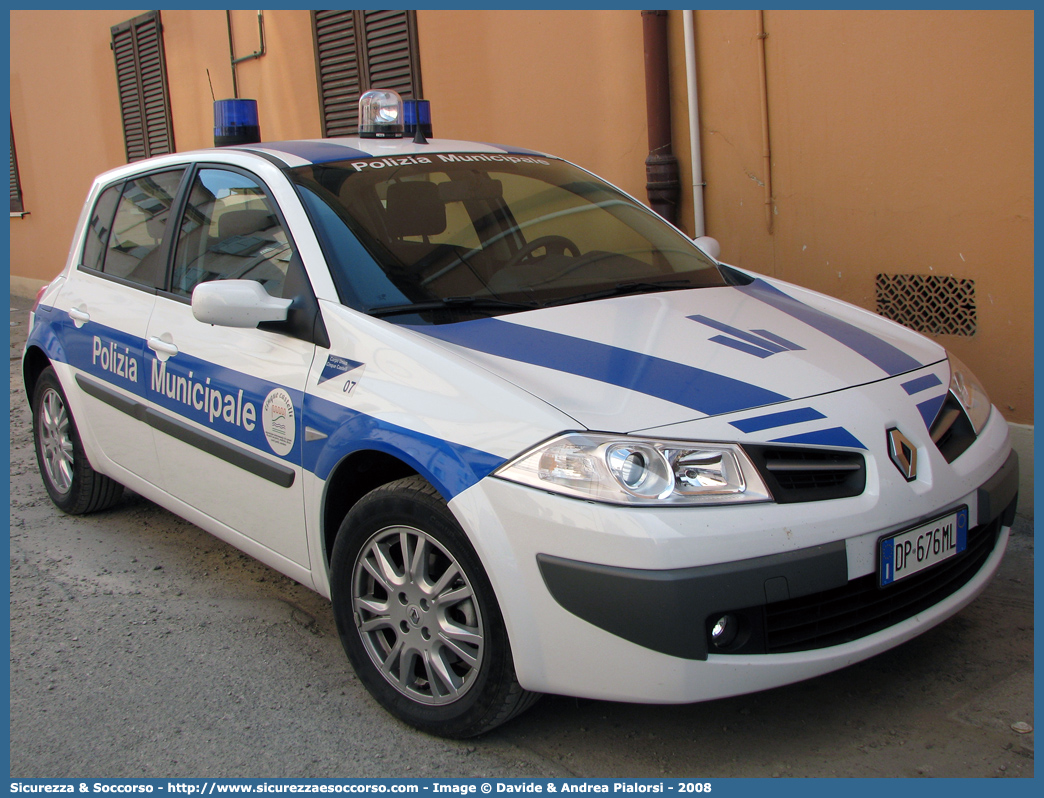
623 289
452 303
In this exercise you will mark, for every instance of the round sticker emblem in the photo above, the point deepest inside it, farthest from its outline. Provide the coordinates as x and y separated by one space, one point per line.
277 420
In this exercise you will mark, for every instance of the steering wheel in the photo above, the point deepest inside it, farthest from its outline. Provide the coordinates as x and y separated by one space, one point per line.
555 245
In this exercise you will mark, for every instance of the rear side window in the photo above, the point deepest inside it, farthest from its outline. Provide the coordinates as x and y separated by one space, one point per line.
230 231
125 230
98 228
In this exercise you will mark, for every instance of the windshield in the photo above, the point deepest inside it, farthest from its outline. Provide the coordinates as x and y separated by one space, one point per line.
453 236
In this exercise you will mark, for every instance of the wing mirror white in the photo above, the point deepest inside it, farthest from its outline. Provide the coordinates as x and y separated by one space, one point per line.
709 246
236 303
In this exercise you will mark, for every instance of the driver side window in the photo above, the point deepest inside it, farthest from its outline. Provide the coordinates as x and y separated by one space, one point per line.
230 231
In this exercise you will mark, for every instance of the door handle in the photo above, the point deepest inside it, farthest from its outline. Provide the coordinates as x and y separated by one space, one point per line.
79 317
163 349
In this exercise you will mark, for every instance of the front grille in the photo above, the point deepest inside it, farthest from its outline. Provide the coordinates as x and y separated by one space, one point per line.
796 474
859 608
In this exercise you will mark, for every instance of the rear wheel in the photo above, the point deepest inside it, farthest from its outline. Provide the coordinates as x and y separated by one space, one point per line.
418 617
72 484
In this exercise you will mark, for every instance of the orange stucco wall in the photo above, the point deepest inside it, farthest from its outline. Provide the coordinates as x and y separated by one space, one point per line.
571 83
901 141
66 116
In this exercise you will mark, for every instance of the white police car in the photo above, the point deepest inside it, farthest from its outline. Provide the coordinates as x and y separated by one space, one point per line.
524 434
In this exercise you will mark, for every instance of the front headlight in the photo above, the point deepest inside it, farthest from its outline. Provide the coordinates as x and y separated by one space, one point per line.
970 393
639 471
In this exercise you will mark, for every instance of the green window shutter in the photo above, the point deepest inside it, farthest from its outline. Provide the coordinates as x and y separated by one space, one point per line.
16 184
360 50
391 51
141 74
337 71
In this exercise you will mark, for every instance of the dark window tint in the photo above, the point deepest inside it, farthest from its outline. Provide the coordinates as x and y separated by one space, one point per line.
98 227
141 73
483 233
360 50
230 231
133 251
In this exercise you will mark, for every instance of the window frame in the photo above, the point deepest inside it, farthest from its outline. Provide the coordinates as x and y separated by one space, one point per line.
162 274
304 320
174 233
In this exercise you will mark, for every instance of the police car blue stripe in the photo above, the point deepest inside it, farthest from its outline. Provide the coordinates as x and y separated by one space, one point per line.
216 398
451 468
687 386
889 358
315 151
774 420
739 346
770 347
929 409
836 436
921 384
779 339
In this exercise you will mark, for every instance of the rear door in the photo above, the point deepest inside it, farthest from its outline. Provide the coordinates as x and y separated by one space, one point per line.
107 302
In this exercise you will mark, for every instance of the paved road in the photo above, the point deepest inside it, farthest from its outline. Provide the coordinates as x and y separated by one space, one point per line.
141 646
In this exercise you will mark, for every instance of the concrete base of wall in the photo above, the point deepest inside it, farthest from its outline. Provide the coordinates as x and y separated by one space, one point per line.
1022 442
25 286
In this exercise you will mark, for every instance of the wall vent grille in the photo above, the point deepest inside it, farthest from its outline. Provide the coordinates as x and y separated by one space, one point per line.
928 303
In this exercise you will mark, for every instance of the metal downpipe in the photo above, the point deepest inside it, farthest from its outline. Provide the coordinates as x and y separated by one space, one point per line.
695 151
661 167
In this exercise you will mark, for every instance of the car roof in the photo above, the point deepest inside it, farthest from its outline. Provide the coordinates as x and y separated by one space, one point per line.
304 152
314 151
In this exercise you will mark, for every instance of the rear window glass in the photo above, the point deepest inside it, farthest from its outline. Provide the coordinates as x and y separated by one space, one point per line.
126 228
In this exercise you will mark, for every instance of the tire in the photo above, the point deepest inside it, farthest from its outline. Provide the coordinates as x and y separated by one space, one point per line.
72 484
427 641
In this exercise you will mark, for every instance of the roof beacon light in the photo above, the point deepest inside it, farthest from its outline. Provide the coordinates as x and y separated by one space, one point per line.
380 115
417 118
235 122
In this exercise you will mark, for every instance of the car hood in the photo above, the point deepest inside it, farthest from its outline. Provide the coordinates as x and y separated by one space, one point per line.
638 362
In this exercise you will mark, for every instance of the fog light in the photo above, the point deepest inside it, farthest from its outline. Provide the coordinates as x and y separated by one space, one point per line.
724 631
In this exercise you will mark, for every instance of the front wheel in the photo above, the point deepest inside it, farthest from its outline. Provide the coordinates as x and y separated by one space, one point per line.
72 484
417 615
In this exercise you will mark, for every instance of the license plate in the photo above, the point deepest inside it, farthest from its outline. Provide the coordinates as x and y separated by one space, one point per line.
922 547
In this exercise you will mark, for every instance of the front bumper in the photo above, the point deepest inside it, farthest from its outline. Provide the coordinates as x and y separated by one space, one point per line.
633 625
760 595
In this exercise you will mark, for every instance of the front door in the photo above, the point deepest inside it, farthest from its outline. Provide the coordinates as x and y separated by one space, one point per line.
228 400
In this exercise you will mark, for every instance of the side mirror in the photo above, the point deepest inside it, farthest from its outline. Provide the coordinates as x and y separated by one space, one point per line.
236 303
709 246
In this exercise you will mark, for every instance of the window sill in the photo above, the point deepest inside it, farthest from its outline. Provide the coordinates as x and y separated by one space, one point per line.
19 214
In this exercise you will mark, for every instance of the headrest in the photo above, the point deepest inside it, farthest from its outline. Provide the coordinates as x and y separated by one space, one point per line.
243 222
415 209
155 225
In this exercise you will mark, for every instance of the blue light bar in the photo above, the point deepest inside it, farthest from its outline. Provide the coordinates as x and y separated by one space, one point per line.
236 122
414 112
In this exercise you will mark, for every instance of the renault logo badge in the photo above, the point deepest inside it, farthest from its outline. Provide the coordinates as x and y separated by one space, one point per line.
903 454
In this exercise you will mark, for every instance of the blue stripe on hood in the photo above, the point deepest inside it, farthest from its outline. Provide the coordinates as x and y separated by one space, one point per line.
879 352
687 386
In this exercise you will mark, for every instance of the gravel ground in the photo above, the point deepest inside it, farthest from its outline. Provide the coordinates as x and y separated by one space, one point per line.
142 646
